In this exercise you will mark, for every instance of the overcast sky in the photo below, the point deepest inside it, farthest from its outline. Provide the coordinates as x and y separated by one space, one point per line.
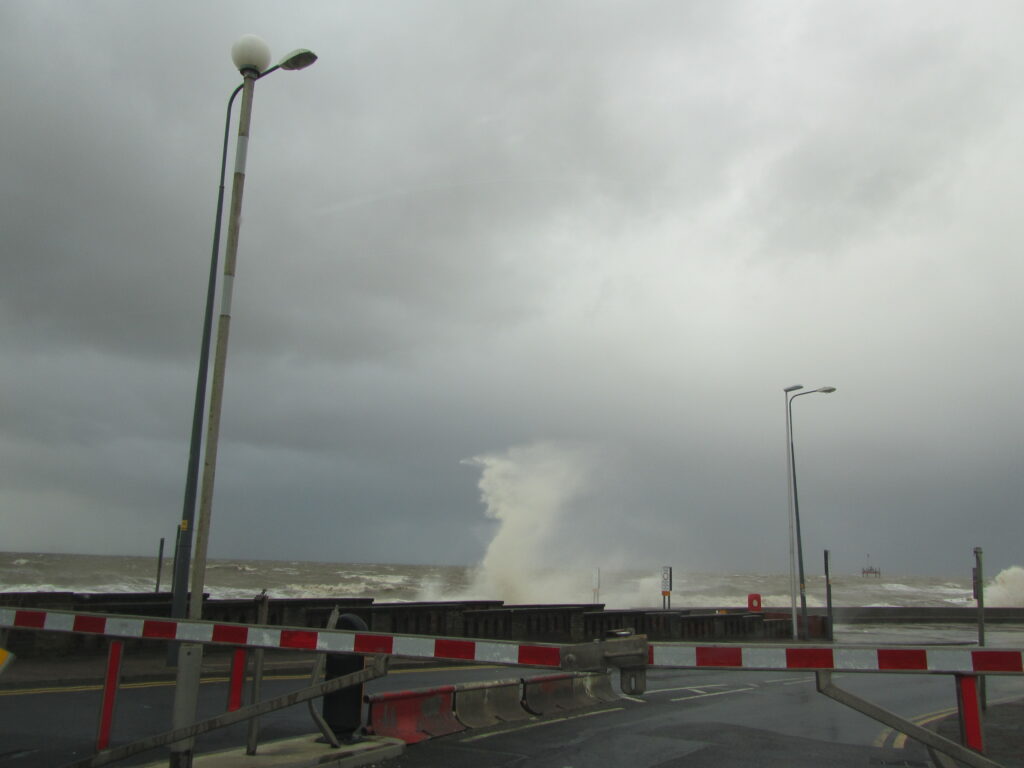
559 258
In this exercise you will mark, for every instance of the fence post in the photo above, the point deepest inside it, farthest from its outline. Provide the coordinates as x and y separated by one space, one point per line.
262 614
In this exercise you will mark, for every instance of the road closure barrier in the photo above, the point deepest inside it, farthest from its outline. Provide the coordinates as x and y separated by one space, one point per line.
478 705
413 716
551 693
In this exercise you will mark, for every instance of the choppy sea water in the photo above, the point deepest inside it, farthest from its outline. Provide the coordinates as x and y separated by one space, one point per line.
388 582
394 582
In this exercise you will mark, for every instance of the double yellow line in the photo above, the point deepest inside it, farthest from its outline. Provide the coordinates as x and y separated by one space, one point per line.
899 740
205 680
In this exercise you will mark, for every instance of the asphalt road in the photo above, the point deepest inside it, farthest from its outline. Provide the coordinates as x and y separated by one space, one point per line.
687 718
54 726
700 719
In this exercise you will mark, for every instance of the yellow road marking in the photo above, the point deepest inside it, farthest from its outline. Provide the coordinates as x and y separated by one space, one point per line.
205 680
899 739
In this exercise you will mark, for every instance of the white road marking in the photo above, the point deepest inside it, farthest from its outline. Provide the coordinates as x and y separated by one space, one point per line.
716 693
538 724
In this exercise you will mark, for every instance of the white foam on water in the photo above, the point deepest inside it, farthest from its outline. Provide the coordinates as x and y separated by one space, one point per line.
1007 589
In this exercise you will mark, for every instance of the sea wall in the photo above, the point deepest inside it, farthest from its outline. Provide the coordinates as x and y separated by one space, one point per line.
484 619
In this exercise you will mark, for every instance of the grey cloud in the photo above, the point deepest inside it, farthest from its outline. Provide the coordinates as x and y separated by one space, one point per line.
469 228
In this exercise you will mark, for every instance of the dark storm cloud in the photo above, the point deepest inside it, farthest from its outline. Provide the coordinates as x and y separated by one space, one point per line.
474 227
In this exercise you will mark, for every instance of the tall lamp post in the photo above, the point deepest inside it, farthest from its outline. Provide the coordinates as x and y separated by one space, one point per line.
796 496
789 513
252 57
298 59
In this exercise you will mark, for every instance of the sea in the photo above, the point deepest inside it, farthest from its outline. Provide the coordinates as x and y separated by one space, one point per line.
393 582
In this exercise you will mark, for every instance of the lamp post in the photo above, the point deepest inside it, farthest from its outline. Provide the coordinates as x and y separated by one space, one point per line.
796 498
789 512
298 59
252 57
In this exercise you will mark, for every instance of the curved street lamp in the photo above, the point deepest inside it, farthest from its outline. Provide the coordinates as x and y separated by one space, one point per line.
297 59
789 512
252 57
796 497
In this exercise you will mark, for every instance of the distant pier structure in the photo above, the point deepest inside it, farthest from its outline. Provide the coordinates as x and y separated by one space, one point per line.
870 570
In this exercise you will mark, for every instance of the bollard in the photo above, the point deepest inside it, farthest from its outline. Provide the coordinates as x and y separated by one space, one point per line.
343 710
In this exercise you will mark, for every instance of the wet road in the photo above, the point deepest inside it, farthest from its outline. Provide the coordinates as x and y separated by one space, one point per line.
687 718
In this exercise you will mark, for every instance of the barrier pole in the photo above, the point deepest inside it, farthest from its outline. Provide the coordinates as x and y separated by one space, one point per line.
110 684
970 713
237 682
253 736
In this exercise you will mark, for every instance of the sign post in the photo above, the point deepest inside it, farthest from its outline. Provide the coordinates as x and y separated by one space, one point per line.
666 587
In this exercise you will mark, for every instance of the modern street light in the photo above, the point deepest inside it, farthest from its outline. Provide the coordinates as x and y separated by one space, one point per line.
789 513
252 57
796 497
298 59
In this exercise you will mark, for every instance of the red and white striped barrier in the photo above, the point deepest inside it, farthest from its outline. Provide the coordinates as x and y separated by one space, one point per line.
935 660
294 638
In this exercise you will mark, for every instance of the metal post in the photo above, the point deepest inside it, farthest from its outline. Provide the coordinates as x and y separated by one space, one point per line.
789 508
828 595
799 539
796 502
183 547
979 594
111 682
262 615
236 683
187 689
971 731
159 564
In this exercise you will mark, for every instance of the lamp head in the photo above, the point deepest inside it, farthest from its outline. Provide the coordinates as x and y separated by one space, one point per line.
794 388
250 54
827 390
300 58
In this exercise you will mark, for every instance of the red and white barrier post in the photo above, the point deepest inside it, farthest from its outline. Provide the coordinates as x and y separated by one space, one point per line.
110 685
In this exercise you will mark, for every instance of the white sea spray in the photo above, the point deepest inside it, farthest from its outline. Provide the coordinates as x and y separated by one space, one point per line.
1007 589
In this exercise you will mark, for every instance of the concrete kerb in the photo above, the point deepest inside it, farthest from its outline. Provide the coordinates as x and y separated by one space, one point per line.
478 705
553 693
425 713
301 752
596 686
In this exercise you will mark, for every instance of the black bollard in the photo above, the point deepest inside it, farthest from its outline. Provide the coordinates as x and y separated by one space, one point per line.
343 710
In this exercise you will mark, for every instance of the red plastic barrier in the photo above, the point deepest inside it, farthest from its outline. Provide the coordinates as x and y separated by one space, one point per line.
754 602
413 716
